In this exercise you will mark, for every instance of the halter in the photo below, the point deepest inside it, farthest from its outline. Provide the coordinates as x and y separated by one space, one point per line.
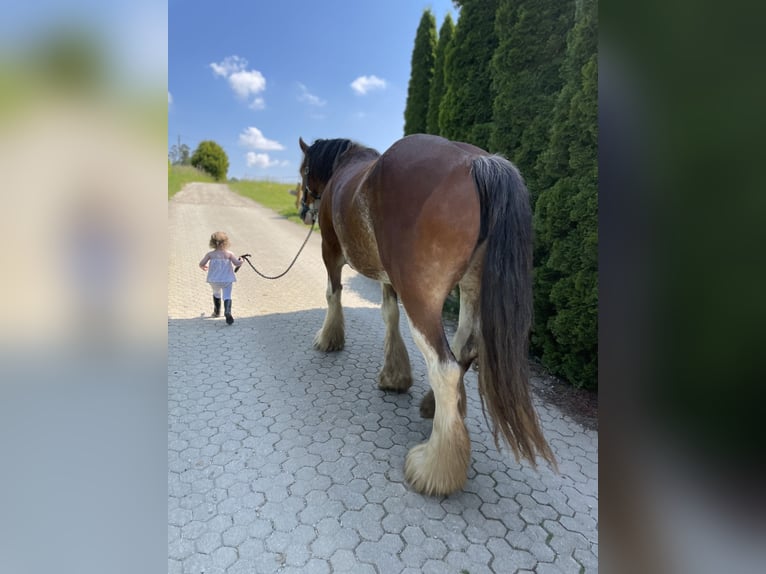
314 209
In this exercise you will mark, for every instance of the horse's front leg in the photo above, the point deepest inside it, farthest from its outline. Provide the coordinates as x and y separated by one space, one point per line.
396 374
331 337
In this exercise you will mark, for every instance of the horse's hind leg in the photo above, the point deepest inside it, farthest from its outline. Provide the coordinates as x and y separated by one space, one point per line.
331 337
439 466
466 338
396 374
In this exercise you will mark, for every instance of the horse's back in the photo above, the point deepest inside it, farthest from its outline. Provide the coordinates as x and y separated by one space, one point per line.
425 210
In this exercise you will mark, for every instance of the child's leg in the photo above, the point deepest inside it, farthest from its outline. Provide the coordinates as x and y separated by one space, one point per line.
227 303
217 289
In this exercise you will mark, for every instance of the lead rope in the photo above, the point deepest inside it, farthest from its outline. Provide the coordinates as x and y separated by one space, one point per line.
246 257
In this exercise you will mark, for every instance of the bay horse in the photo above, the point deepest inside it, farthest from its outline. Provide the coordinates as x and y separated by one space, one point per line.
422 217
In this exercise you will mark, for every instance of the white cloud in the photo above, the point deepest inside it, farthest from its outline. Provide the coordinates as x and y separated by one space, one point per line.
263 160
229 66
245 83
253 138
257 104
364 84
309 98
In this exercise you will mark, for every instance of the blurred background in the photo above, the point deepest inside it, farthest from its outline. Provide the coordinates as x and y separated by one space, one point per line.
83 131
682 283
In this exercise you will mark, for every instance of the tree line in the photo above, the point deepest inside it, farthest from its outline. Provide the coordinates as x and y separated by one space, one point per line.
519 78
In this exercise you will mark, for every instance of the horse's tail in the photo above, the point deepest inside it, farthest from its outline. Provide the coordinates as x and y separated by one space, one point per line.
506 308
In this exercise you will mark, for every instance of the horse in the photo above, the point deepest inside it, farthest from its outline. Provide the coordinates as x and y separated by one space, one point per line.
296 191
424 216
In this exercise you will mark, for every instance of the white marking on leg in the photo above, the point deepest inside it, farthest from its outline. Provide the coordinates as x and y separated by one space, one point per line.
333 304
439 466
331 336
443 377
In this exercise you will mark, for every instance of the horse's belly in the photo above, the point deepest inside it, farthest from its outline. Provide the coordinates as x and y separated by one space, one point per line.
372 273
359 246
362 257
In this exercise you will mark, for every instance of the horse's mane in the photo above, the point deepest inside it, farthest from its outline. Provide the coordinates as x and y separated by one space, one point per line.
323 155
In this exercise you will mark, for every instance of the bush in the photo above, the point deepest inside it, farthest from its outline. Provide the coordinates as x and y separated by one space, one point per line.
210 158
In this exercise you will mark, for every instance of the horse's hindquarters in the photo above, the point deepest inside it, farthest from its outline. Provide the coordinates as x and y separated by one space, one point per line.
425 214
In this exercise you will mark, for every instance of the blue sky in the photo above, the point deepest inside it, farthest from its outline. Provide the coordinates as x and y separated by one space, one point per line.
255 75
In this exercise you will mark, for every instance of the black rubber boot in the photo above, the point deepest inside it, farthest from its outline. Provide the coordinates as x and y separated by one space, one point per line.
216 307
227 311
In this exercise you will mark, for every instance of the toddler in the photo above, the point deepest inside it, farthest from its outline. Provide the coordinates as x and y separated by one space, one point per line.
221 265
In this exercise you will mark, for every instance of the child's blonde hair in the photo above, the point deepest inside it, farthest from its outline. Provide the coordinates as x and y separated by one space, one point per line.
219 240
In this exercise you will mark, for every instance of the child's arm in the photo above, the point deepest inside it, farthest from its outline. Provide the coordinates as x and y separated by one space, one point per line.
203 263
236 261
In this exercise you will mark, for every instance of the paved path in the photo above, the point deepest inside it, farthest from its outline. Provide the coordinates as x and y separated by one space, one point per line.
285 459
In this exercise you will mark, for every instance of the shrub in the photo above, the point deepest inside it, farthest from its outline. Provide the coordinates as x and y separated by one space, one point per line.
210 158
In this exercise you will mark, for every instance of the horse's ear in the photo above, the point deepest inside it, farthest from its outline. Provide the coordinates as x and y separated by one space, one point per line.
303 145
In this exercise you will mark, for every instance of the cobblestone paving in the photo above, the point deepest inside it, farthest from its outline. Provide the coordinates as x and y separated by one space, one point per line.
285 459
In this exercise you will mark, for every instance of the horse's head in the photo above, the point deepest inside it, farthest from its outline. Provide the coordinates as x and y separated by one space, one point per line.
319 162
310 191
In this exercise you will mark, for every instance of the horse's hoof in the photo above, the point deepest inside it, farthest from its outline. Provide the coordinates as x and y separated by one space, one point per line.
428 405
394 383
427 478
328 347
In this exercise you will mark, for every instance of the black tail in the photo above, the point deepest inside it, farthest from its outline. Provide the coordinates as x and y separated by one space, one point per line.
506 308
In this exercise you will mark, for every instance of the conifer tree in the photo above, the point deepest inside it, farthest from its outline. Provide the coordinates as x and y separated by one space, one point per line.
566 216
465 112
446 34
526 78
421 73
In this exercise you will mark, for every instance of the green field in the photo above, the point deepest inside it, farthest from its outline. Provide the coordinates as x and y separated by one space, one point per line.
272 195
180 175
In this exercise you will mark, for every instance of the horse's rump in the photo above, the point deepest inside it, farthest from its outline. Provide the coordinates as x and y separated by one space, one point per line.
425 211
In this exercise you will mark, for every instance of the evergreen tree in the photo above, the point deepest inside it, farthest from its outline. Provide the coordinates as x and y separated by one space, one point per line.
210 158
465 112
526 78
566 216
421 73
446 34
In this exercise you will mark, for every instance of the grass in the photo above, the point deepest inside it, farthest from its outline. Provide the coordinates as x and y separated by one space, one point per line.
269 194
180 175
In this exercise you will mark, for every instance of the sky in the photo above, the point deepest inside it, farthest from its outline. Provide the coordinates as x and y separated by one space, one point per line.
256 75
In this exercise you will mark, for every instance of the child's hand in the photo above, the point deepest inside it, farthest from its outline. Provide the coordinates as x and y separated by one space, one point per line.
203 267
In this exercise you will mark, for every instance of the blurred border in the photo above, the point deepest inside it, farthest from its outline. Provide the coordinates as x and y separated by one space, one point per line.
681 120
83 335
